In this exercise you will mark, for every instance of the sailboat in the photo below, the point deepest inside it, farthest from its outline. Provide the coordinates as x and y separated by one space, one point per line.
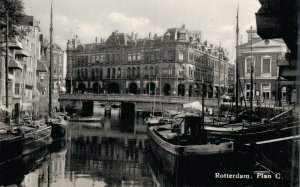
252 124
152 119
58 121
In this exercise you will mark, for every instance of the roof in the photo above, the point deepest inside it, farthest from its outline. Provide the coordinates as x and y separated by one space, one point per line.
14 64
41 66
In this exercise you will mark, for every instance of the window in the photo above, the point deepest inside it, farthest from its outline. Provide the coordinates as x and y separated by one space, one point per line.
93 59
266 88
97 59
129 57
165 55
247 91
248 65
133 57
100 73
17 89
151 71
146 71
170 55
266 67
138 56
152 56
101 58
129 72
113 73
138 72
108 73
119 72
133 72
180 56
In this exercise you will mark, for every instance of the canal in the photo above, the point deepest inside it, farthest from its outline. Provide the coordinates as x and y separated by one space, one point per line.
114 153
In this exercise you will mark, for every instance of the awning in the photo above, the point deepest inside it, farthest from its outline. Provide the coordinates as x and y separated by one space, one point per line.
14 64
62 89
194 105
22 53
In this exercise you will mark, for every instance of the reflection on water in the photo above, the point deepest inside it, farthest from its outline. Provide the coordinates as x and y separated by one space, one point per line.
111 153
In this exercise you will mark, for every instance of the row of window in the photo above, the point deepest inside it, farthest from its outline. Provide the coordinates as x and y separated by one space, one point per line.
202 60
135 72
266 66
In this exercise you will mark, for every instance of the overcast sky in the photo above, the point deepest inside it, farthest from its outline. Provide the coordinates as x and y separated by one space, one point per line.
216 19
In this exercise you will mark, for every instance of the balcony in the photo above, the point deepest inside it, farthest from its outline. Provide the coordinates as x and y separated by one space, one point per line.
15 45
22 53
14 64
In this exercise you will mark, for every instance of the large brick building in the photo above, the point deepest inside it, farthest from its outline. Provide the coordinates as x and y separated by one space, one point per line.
264 57
172 64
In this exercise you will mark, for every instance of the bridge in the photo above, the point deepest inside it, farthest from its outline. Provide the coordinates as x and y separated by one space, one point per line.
143 103
134 98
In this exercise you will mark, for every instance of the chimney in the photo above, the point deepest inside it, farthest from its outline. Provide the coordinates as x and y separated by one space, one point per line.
155 35
136 36
96 39
150 35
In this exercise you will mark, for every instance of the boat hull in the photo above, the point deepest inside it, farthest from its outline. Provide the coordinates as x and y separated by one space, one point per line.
36 140
188 164
10 148
87 119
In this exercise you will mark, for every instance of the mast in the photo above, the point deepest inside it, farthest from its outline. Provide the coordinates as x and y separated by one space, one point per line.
50 66
219 92
237 66
6 69
251 77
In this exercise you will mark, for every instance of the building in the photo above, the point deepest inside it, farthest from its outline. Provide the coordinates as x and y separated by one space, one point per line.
57 71
280 19
23 59
173 64
264 57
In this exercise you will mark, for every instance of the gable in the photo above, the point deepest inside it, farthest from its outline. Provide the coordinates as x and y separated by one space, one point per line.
263 44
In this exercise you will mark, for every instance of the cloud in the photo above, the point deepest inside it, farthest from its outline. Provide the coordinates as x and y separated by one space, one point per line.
124 23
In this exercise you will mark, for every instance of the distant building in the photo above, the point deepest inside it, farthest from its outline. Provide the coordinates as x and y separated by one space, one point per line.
264 58
57 70
173 64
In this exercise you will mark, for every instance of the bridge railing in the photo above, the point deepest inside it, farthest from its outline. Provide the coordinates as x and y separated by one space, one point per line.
130 97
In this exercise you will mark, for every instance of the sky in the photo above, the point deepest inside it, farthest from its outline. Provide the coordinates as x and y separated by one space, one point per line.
88 19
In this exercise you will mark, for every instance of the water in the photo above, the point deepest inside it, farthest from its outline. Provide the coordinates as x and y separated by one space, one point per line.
114 153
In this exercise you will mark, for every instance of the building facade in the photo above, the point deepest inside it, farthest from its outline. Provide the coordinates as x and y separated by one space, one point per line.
57 71
280 19
264 57
22 65
173 64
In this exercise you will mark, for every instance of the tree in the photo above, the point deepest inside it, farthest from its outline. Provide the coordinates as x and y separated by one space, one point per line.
12 12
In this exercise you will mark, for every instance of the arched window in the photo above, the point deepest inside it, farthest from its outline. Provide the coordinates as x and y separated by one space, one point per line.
138 72
113 73
100 73
133 72
151 71
93 73
119 73
129 71
78 73
108 73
